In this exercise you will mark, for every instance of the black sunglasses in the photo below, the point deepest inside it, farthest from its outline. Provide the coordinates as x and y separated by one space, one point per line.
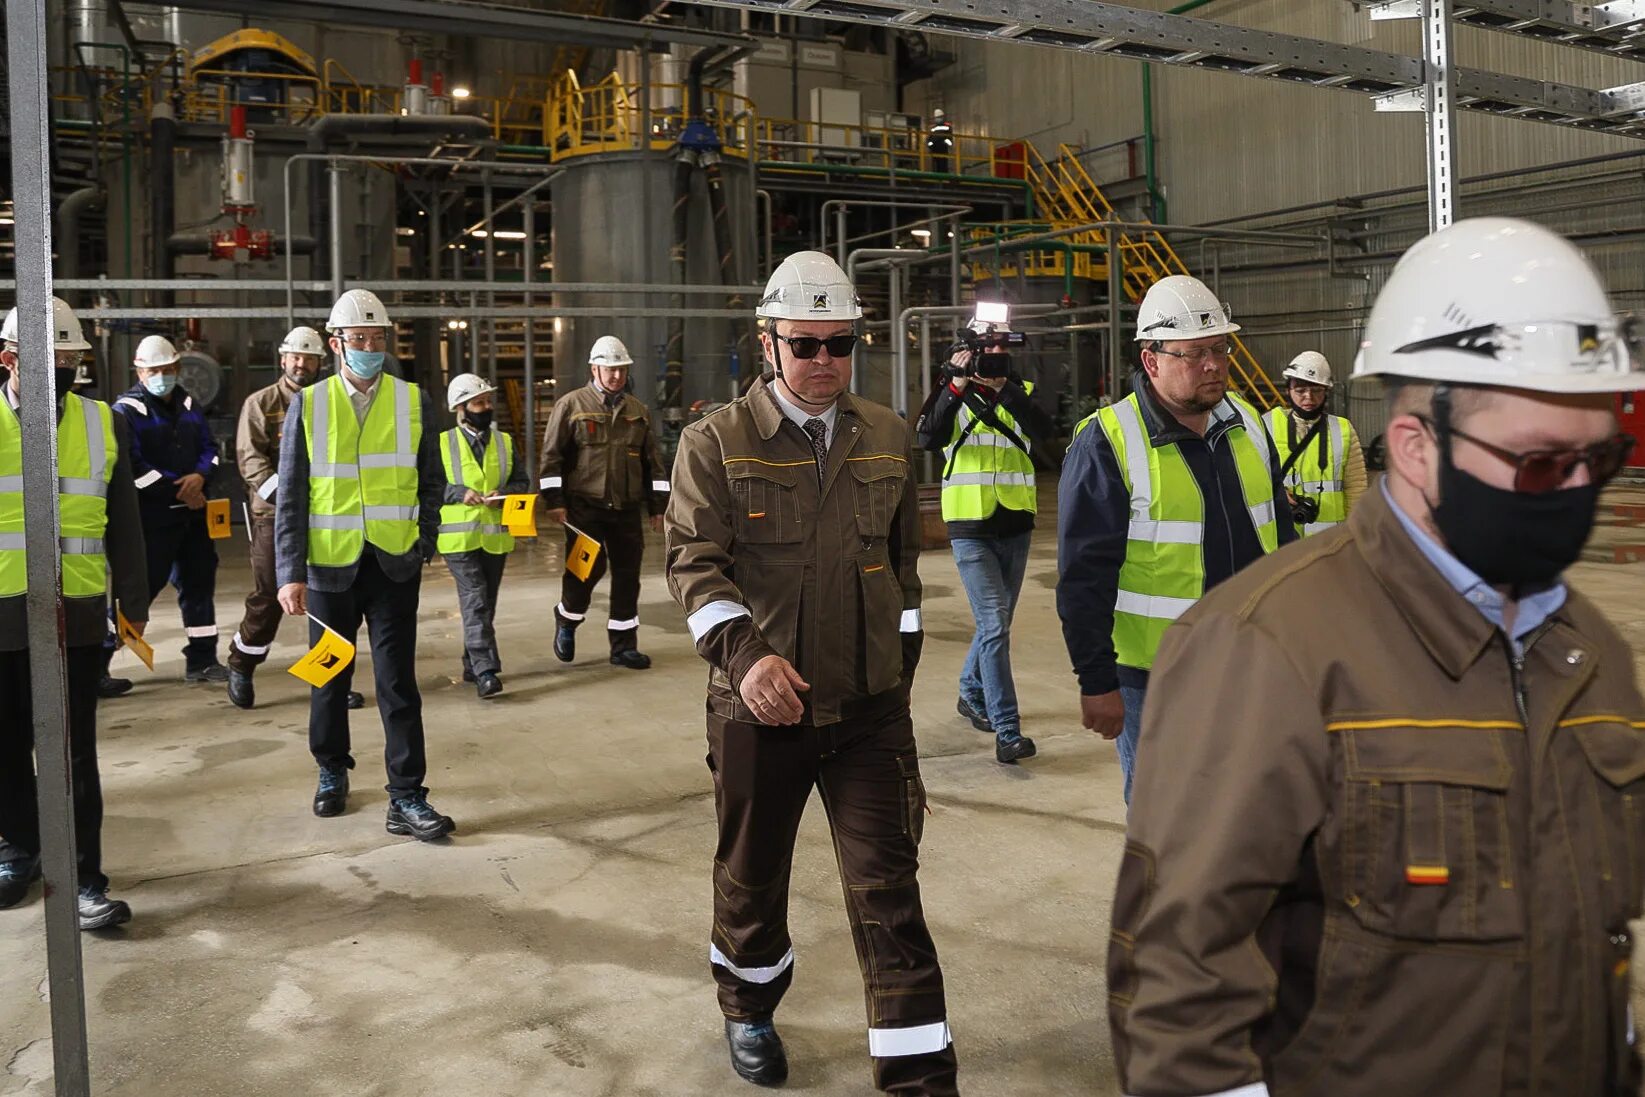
805 347
1545 470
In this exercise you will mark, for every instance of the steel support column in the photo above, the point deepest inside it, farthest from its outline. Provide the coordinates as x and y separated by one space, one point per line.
1440 107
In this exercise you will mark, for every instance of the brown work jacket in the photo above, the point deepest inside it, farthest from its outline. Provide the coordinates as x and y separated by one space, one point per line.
257 443
601 456
1373 852
765 562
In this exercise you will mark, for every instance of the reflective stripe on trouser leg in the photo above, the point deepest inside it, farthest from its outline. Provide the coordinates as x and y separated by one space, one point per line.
261 621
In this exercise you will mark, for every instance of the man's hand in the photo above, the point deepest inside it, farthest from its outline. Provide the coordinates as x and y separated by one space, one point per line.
1103 713
959 362
191 489
473 498
136 626
768 689
656 523
294 599
995 383
556 514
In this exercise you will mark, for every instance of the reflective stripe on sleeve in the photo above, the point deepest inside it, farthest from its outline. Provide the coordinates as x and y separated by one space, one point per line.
704 621
910 621
268 488
659 485
148 478
548 483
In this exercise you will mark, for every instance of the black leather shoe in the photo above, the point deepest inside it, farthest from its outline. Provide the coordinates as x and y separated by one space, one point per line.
633 660
414 816
331 795
98 911
756 1052
112 687
1010 747
211 672
565 638
468 675
240 690
16 877
356 700
488 685
979 720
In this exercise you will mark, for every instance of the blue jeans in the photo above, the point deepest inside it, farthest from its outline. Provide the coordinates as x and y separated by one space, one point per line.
1127 742
991 569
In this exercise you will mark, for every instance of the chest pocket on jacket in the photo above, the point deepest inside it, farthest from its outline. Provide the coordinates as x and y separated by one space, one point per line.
878 485
591 428
1427 848
1615 808
765 501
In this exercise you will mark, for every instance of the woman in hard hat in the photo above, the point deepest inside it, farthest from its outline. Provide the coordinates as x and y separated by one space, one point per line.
481 467
1320 457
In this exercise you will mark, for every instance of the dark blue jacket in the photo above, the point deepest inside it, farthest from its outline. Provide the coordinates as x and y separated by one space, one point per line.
1094 520
170 439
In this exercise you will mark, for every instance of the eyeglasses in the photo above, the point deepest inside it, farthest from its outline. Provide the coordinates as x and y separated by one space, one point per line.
1201 355
373 341
805 347
1545 470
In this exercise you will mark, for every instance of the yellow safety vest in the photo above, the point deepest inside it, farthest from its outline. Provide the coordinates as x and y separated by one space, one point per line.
1164 570
362 476
985 469
1322 479
464 528
86 453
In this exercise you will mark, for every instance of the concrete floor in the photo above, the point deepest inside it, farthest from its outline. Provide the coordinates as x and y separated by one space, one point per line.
557 944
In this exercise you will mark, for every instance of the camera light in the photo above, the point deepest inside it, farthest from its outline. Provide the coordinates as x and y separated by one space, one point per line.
993 312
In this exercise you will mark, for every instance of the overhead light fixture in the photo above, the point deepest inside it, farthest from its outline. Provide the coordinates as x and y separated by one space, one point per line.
502 234
559 325
923 234
460 92
403 231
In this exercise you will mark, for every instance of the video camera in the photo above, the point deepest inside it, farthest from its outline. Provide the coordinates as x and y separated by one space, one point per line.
988 337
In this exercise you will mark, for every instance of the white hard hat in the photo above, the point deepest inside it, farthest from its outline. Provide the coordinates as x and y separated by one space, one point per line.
302 340
465 387
809 285
155 350
937 115
1497 301
1310 366
1182 307
358 308
609 351
66 333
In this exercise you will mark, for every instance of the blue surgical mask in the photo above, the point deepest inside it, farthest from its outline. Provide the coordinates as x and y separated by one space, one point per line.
160 384
365 364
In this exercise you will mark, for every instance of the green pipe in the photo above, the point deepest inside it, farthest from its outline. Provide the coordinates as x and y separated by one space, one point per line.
529 150
1156 200
936 176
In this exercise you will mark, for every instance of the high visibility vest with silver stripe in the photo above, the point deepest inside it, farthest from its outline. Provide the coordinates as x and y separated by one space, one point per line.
987 471
85 463
1312 476
1164 569
362 475
464 528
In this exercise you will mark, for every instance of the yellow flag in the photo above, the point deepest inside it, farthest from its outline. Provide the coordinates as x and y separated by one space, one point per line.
520 515
217 523
326 659
579 561
129 636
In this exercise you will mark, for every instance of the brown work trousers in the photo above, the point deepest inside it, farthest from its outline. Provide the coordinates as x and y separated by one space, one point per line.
261 622
867 772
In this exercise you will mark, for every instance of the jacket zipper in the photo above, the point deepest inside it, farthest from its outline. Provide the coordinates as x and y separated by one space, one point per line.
1222 501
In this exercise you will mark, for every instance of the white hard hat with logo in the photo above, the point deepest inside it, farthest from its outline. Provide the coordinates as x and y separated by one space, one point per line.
1182 307
302 340
809 285
155 351
358 308
1310 366
609 351
1499 301
465 387
66 331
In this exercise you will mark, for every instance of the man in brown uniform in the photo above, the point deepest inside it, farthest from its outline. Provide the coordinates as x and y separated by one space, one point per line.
257 450
1388 829
599 468
793 535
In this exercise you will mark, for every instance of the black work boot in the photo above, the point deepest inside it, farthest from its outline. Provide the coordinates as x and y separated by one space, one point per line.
331 795
757 1052
977 716
565 637
240 690
108 687
625 649
356 699
16 877
414 816
1010 746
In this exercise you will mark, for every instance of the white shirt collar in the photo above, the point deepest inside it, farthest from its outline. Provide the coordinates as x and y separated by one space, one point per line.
798 415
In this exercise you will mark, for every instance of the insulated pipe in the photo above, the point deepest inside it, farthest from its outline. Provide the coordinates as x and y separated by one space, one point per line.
336 180
672 397
864 254
69 212
769 262
162 186
726 246
528 431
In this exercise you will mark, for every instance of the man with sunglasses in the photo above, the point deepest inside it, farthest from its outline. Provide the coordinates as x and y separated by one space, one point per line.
1320 456
793 538
1387 834
600 474
1163 495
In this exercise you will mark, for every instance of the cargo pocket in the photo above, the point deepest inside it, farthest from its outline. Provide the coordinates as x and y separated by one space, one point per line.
764 499
591 428
878 486
880 606
1427 854
913 798
1615 810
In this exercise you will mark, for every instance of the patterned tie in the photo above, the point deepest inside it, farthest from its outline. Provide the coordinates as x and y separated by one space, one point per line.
817 430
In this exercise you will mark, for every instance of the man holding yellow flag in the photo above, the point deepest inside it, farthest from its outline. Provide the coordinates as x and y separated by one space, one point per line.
481 468
356 519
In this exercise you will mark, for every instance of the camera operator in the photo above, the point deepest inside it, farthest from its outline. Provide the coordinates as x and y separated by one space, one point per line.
1323 465
984 424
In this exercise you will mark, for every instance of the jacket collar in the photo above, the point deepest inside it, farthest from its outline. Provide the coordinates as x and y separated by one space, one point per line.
1454 632
1163 427
768 417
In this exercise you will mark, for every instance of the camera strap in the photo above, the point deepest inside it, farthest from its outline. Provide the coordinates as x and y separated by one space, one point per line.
1296 454
982 411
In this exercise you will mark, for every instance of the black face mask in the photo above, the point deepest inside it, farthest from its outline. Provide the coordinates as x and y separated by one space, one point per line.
1512 538
62 380
1308 416
480 420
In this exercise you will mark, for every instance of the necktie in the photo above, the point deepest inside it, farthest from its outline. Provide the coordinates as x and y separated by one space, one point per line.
817 431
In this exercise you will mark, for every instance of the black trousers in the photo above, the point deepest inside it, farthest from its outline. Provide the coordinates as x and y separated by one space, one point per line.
389 611
180 554
261 622
19 805
622 533
867 772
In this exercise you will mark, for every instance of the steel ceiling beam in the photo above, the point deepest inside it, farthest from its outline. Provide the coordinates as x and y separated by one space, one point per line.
1092 27
467 19
1616 27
